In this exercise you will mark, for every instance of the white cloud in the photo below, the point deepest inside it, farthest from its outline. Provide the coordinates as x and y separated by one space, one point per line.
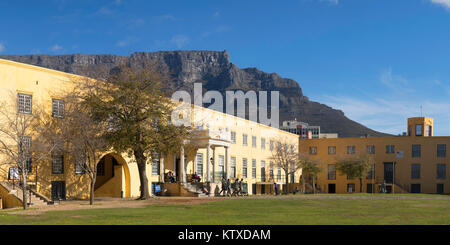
179 40
2 47
216 14
127 41
444 3
56 47
335 2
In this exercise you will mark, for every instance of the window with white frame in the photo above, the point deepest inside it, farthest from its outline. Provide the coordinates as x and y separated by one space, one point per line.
199 164
254 168
271 170
371 149
331 150
58 108
244 139
390 149
271 145
80 163
263 143
57 162
244 167
254 141
24 103
233 137
233 167
351 149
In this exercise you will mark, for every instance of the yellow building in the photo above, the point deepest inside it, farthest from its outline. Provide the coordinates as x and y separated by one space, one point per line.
224 146
416 163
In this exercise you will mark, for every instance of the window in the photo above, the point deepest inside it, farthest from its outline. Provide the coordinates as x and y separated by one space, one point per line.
271 170
371 149
221 166
199 166
331 171
292 149
331 150
254 141
441 150
440 171
244 139
57 163
350 188
415 171
155 163
254 168
233 167
244 167
350 149
25 151
263 170
80 164
415 150
279 174
263 143
409 130
271 145
101 167
57 108
312 150
390 149
419 128
233 137
428 130
24 103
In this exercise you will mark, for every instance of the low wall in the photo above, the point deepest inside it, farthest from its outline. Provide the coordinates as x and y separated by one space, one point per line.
8 200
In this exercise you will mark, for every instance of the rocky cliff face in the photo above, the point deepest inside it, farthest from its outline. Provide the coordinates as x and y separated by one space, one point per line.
215 71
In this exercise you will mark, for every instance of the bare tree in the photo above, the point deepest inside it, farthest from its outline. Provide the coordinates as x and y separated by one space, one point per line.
285 156
20 141
81 136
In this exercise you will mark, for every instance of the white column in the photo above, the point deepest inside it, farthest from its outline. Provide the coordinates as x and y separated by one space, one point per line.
214 165
226 162
182 166
208 162
161 168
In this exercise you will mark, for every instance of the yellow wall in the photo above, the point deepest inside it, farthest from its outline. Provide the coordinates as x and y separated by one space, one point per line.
428 160
44 84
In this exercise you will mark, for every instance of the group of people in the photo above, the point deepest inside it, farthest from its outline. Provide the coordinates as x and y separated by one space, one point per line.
232 189
195 177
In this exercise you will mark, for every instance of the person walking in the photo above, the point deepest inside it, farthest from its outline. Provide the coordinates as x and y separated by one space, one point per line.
228 187
275 186
241 187
224 186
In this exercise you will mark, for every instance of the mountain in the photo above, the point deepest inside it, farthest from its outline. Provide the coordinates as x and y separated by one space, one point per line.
215 71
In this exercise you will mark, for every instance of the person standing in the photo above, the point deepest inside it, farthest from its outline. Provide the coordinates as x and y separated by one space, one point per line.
275 186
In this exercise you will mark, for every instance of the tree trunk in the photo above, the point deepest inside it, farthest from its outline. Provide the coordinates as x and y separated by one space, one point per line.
24 189
314 185
360 185
287 182
91 197
142 168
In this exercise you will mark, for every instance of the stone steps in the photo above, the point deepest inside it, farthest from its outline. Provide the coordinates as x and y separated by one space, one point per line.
16 190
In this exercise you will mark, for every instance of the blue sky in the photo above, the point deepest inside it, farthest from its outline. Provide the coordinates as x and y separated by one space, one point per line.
377 60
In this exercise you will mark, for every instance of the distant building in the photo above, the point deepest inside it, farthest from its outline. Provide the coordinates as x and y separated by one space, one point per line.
416 163
304 129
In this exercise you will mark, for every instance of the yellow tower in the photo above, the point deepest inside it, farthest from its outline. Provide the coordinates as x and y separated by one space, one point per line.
420 126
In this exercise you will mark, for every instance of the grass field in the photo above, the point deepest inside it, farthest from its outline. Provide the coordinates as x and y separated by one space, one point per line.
314 210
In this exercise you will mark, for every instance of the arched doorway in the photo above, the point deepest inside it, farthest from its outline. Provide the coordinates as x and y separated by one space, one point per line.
113 177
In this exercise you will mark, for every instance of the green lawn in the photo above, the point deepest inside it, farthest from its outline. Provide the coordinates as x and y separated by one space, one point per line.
252 211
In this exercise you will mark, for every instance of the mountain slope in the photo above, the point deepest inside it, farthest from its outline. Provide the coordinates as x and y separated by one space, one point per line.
215 71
